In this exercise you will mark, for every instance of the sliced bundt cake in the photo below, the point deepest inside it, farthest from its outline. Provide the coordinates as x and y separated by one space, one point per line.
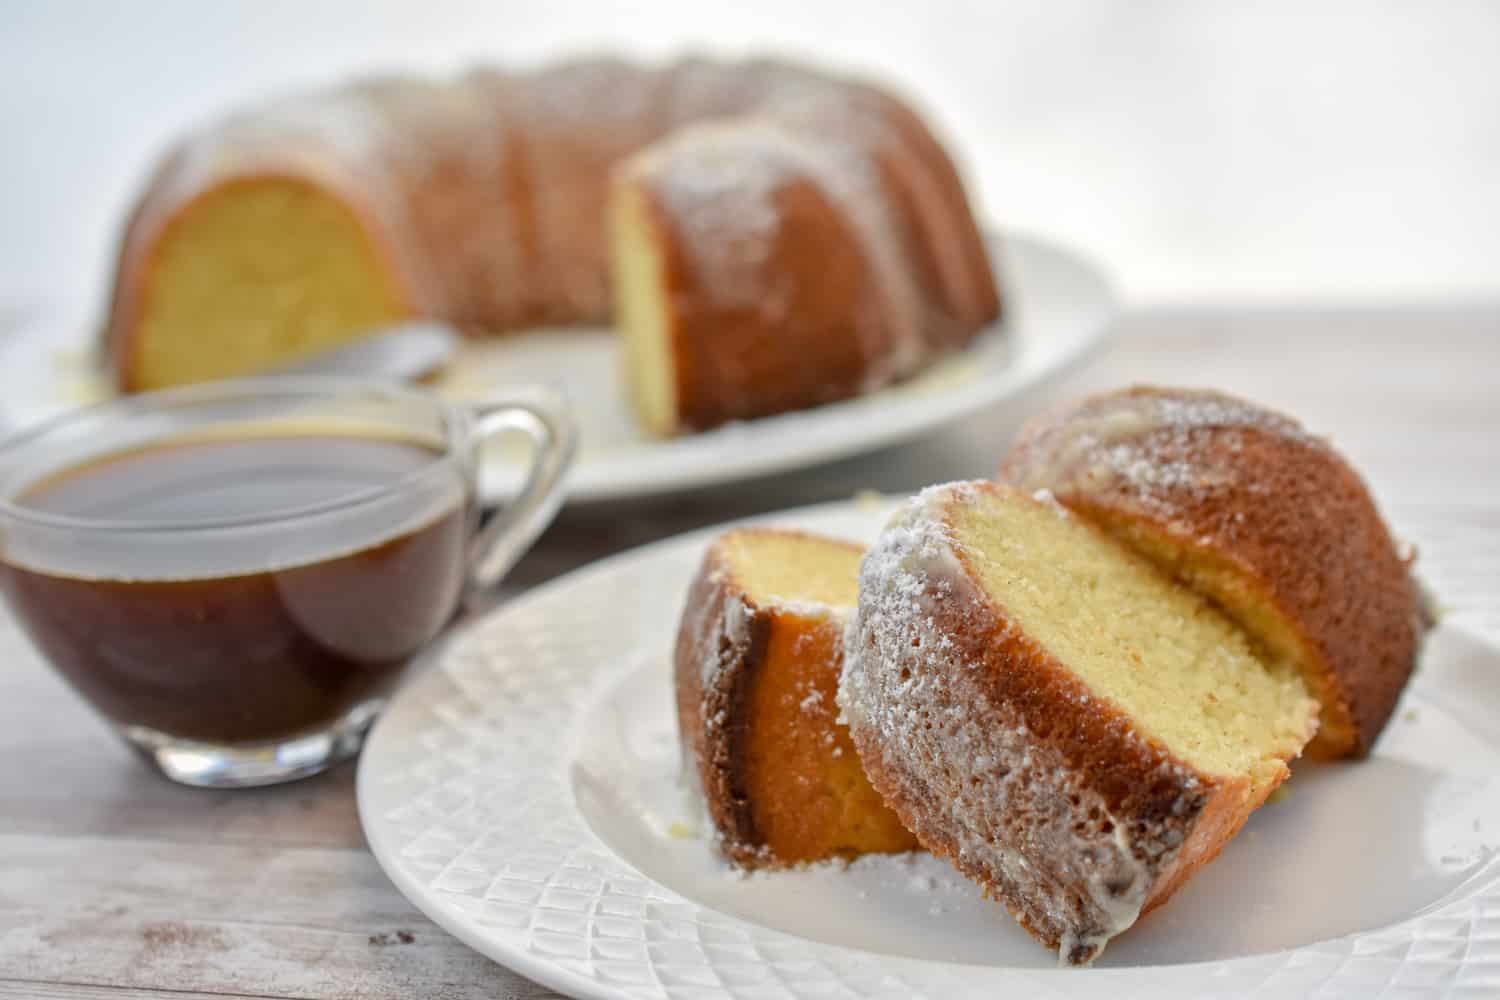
758 656
785 237
1070 727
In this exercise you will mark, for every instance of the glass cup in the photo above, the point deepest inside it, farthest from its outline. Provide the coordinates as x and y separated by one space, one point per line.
255 643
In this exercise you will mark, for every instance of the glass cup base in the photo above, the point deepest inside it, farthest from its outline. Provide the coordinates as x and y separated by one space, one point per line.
246 765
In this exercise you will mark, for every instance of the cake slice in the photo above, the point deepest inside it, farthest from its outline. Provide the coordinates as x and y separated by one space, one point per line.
758 656
1265 519
1069 726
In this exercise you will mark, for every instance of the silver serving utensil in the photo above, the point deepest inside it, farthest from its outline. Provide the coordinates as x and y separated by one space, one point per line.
406 350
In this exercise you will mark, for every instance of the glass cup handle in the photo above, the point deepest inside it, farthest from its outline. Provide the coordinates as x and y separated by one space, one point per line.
542 415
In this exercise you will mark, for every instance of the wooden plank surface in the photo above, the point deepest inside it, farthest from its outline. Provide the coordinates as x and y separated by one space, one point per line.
21 990
264 920
114 882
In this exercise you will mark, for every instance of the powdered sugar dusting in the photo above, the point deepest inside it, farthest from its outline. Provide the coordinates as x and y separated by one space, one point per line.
1132 464
717 651
718 184
1141 438
1189 409
804 608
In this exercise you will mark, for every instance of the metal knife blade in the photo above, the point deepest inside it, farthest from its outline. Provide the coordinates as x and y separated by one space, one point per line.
403 350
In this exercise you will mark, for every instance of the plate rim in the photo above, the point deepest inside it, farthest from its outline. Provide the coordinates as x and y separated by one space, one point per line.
555 976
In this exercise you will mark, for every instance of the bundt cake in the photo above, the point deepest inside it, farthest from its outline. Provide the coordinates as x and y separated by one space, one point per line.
782 237
1265 519
1073 729
757 665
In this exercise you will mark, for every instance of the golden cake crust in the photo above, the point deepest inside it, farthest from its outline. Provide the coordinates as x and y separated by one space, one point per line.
1244 504
755 690
998 758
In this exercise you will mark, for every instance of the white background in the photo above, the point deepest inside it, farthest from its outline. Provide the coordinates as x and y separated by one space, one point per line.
1226 151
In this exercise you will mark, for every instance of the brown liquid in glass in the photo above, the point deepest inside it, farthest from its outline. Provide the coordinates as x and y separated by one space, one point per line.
220 654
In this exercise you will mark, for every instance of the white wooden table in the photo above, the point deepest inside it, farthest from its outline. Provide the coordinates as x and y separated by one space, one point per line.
115 883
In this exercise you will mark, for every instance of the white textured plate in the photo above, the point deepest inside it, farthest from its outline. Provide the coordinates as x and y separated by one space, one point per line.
522 792
1058 306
